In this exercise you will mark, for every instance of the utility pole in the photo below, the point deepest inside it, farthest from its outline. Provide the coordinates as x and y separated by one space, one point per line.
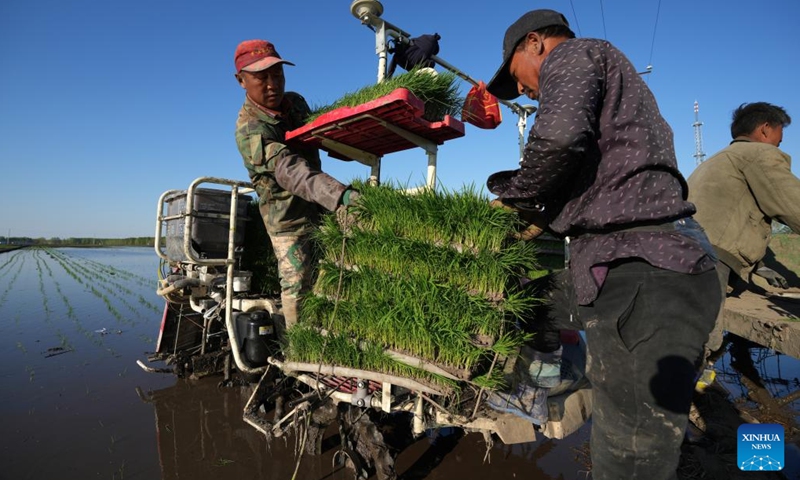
699 156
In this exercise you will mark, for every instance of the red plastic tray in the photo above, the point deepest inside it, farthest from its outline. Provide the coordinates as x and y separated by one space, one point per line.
361 126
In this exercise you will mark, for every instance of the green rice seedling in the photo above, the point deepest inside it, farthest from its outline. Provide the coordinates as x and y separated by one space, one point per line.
74 268
104 284
491 381
483 273
64 299
41 289
438 302
462 220
308 344
508 344
11 282
434 275
61 261
149 304
64 341
439 93
109 307
120 473
103 280
118 272
8 265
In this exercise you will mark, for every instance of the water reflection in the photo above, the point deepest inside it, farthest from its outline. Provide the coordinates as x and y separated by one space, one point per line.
77 415
201 435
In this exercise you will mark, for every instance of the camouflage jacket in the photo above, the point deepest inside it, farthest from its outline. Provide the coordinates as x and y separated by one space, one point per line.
288 180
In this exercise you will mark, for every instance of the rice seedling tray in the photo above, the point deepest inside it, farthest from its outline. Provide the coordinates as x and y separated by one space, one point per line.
376 127
325 375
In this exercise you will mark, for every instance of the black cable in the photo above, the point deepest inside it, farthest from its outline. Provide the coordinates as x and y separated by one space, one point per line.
577 25
603 16
655 27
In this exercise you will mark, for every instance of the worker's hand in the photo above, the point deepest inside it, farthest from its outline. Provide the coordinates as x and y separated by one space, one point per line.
536 224
350 197
530 232
496 203
772 277
346 213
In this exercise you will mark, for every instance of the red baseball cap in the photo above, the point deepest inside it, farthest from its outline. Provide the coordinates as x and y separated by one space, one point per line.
256 55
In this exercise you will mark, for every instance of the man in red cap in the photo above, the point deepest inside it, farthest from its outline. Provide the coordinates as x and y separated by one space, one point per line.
599 167
289 181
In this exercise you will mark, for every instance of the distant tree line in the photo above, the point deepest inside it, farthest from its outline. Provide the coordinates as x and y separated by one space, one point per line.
79 241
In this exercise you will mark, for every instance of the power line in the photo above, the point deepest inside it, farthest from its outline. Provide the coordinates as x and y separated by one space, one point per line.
603 16
577 25
655 27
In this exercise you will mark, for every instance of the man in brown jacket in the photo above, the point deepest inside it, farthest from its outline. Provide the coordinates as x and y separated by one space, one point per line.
740 190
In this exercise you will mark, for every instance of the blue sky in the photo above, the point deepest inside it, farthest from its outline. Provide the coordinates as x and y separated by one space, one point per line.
104 105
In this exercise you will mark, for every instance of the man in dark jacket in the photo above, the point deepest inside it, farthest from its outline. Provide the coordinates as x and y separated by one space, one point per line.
289 181
599 167
740 190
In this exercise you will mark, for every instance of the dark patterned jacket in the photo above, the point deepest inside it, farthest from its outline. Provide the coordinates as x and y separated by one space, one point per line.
600 158
289 182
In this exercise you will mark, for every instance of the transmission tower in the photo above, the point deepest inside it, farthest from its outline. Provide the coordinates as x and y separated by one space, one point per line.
699 156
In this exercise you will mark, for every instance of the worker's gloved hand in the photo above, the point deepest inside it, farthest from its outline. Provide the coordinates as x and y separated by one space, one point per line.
350 197
346 213
772 277
496 203
535 222
530 232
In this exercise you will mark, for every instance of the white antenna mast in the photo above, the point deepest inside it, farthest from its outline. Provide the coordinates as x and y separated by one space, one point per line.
699 156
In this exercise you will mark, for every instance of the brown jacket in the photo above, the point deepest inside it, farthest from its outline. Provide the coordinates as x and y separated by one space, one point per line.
738 192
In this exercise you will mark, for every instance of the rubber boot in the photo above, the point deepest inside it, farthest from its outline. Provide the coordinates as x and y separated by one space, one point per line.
544 368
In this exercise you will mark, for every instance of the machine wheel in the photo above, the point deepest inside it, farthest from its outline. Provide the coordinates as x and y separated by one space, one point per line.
352 462
363 445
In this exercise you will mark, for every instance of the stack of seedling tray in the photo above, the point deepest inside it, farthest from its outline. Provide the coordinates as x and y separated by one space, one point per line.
433 277
386 117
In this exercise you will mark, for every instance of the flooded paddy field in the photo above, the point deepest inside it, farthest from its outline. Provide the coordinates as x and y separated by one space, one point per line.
74 404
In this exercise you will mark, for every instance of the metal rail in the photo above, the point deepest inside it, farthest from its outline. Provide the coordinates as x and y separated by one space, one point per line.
188 215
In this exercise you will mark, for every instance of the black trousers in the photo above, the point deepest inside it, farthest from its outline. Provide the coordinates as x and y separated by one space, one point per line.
645 334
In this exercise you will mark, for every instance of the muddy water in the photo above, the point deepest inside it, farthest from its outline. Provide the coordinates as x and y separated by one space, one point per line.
74 404
201 436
